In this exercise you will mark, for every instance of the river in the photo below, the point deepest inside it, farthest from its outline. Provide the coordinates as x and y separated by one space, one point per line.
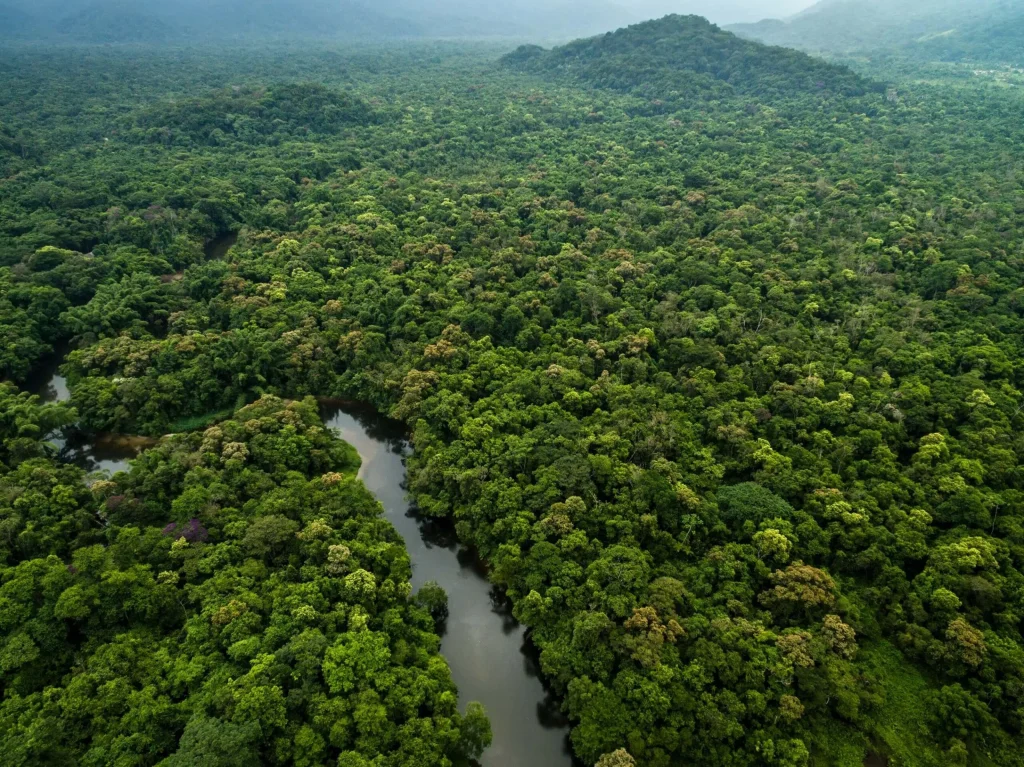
488 652
486 648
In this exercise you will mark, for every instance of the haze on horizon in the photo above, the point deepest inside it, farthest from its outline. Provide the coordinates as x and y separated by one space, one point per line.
157 20
720 11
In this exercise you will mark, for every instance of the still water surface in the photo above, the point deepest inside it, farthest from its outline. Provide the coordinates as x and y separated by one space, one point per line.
92 452
99 452
486 648
219 246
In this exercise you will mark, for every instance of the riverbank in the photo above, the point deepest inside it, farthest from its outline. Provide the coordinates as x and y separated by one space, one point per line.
487 650
490 656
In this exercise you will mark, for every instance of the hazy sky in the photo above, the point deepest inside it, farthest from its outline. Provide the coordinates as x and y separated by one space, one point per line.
528 18
722 11
719 11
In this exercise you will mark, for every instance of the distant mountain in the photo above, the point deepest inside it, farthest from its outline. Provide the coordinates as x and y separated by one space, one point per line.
680 56
115 22
962 28
261 19
16 24
543 19
195 20
997 40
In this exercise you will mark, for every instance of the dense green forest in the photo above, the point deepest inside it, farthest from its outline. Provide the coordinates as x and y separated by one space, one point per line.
235 599
711 350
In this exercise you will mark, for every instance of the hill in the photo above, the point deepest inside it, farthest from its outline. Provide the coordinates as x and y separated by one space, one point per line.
718 372
239 19
114 22
686 56
134 21
16 23
922 28
252 116
999 39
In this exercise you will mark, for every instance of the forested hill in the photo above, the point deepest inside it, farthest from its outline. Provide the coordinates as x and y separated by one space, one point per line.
979 30
690 57
720 369
998 40
186 21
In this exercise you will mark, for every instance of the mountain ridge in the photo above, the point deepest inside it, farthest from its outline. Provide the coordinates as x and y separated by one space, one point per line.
116 21
908 27
187 21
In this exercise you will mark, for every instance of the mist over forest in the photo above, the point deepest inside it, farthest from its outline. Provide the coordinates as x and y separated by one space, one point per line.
149 21
989 30
943 28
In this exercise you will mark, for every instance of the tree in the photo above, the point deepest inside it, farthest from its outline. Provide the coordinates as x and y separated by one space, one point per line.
619 758
215 741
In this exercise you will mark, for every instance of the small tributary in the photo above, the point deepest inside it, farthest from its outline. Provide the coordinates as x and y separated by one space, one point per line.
218 247
100 452
92 452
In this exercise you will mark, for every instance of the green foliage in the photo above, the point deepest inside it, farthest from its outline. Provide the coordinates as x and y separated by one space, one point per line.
685 57
717 369
982 30
201 618
254 116
25 423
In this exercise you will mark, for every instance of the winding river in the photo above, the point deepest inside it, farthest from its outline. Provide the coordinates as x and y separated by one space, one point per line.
488 652
490 657
486 648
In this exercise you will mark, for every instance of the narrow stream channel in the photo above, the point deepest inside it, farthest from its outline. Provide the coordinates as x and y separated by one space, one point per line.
99 452
219 246
92 452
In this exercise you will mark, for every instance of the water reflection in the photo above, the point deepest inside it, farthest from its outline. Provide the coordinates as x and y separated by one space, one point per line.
46 380
99 452
490 656
91 452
